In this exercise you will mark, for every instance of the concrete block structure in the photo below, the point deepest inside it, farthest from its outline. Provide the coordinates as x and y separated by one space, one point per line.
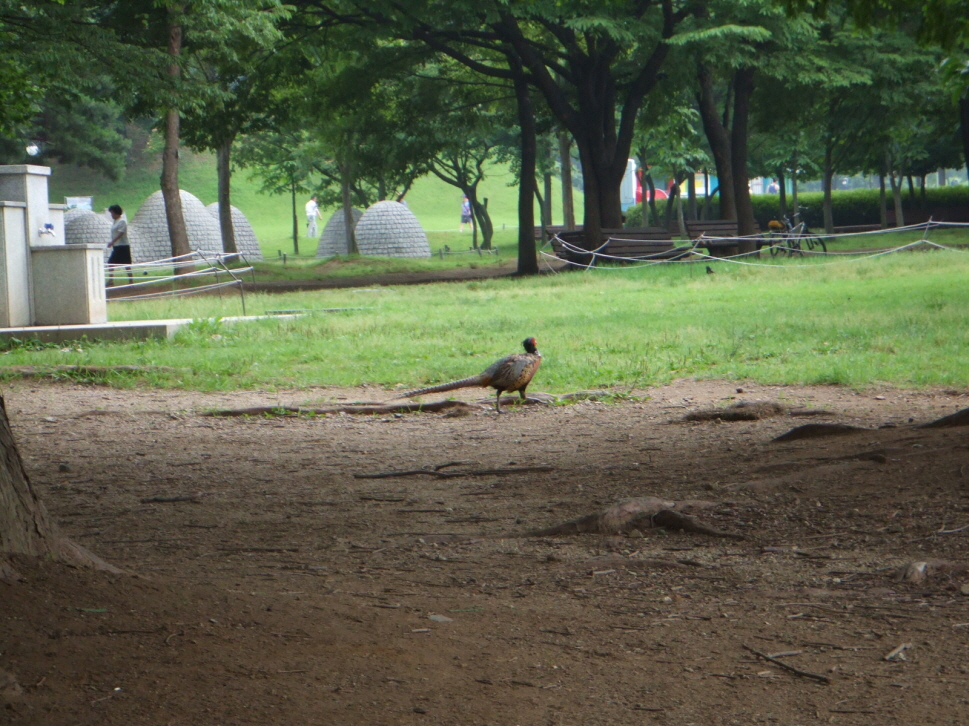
44 281
333 240
389 229
246 241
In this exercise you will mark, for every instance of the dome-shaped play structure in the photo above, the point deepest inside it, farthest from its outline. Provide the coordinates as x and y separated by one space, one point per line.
148 230
84 227
333 241
389 229
246 241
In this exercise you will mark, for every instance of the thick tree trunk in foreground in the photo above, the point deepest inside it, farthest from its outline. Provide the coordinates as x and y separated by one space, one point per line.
169 176
25 527
223 158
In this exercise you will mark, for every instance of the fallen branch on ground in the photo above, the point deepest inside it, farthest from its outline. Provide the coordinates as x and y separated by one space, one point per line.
796 671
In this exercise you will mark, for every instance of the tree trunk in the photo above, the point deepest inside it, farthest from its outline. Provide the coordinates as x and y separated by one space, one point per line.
482 218
223 160
882 202
547 211
680 220
169 175
746 225
896 183
565 164
707 193
540 198
25 527
527 256
292 196
795 207
964 126
828 176
650 200
601 127
782 191
351 238
911 188
691 197
897 200
719 139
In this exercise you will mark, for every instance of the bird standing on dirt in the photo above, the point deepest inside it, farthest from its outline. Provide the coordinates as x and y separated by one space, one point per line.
512 373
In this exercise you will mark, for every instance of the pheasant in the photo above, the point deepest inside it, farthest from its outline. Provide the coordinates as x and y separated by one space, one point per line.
511 373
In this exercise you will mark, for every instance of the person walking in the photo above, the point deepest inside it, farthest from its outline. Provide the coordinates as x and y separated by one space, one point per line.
119 245
312 214
465 212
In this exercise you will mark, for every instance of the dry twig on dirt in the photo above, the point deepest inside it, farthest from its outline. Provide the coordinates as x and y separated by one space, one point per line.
796 671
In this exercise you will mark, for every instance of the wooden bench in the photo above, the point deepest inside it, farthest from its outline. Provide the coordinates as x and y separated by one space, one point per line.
544 234
648 243
713 232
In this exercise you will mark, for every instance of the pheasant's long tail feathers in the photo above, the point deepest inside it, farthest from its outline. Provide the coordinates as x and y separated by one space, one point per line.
478 380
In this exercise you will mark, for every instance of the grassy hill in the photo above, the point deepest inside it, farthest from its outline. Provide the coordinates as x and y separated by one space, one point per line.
436 204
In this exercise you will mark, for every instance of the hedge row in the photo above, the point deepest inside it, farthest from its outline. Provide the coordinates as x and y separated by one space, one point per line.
858 206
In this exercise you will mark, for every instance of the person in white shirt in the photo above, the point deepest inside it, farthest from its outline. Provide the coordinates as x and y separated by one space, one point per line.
119 245
312 214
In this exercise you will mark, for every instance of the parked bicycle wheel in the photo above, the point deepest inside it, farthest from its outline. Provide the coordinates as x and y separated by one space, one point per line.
813 242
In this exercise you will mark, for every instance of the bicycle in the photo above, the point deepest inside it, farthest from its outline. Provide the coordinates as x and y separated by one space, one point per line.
793 235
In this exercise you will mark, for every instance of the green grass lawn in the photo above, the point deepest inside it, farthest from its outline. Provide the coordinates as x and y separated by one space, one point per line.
898 320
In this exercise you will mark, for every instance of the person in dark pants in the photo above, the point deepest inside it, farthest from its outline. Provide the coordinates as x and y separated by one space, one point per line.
119 245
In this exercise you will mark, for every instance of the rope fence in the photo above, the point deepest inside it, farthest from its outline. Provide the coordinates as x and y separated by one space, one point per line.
693 254
172 270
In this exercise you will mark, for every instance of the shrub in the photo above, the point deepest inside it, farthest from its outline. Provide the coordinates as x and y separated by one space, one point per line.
861 206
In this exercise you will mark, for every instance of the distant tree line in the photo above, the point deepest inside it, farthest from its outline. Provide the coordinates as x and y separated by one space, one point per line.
354 100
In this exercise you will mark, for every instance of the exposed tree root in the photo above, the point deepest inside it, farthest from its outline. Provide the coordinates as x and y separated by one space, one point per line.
959 418
815 431
645 513
369 409
740 411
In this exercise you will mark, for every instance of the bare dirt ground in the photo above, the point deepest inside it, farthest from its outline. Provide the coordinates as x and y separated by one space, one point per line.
280 588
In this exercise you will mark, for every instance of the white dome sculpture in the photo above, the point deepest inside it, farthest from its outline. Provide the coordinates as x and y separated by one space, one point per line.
389 229
148 230
73 213
246 241
333 240
84 227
